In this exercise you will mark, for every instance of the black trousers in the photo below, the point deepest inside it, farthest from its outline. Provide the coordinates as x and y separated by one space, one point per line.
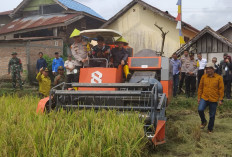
227 84
70 79
200 73
190 83
182 80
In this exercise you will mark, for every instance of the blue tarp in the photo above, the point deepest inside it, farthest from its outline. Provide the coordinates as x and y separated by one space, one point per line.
74 5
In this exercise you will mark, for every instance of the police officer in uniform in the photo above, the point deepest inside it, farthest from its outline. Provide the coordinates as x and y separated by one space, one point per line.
79 52
15 67
183 60
190 80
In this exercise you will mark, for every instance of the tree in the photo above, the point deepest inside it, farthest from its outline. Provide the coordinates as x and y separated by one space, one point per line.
163 35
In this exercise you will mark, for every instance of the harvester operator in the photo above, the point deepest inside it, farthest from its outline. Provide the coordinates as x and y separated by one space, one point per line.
79 51
120 56
100 51
44 82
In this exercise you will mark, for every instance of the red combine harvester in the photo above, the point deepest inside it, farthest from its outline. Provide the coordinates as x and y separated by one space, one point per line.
148 91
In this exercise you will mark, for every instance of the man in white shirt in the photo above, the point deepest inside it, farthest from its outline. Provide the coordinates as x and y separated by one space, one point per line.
70 69
201 67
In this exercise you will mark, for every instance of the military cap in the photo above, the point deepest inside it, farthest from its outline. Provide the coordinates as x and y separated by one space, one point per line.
60 68
191 54
14 53
46 69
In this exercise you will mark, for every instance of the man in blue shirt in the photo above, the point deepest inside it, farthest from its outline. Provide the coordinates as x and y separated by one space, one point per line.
176 65
57 61
41 62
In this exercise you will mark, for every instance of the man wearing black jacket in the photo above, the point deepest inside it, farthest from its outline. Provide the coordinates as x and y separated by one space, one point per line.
225 70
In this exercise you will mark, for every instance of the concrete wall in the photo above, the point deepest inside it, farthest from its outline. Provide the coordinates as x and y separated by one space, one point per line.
137 26
28 53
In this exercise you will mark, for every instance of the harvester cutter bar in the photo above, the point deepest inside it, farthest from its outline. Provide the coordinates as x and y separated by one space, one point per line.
98 93
112 85
119 108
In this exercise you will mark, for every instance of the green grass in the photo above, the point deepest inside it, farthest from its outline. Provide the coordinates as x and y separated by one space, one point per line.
6 89
79 133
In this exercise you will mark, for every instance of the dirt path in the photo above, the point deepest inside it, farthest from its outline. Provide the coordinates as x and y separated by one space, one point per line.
185 138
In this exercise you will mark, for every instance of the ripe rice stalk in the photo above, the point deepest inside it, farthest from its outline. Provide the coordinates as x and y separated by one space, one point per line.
75 133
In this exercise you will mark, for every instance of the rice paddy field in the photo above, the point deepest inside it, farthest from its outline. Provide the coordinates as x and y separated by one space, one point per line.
106 133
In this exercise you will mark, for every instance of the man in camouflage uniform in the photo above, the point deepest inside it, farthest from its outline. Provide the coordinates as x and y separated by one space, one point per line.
15 67
60 78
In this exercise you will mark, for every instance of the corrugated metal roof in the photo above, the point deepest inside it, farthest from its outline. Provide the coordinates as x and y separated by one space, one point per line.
36 21
74 5
5 12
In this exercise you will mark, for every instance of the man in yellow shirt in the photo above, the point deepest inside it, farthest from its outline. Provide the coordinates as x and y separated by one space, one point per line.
44 82
210 93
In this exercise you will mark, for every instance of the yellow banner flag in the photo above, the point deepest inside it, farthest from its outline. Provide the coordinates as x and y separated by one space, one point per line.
182 40
179 9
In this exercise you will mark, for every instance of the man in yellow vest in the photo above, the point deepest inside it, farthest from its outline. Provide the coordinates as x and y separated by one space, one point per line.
120 56
44 82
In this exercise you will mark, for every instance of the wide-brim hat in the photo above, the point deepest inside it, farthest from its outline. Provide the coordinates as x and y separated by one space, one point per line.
60 68
14 53
210 65
75 33
121 40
